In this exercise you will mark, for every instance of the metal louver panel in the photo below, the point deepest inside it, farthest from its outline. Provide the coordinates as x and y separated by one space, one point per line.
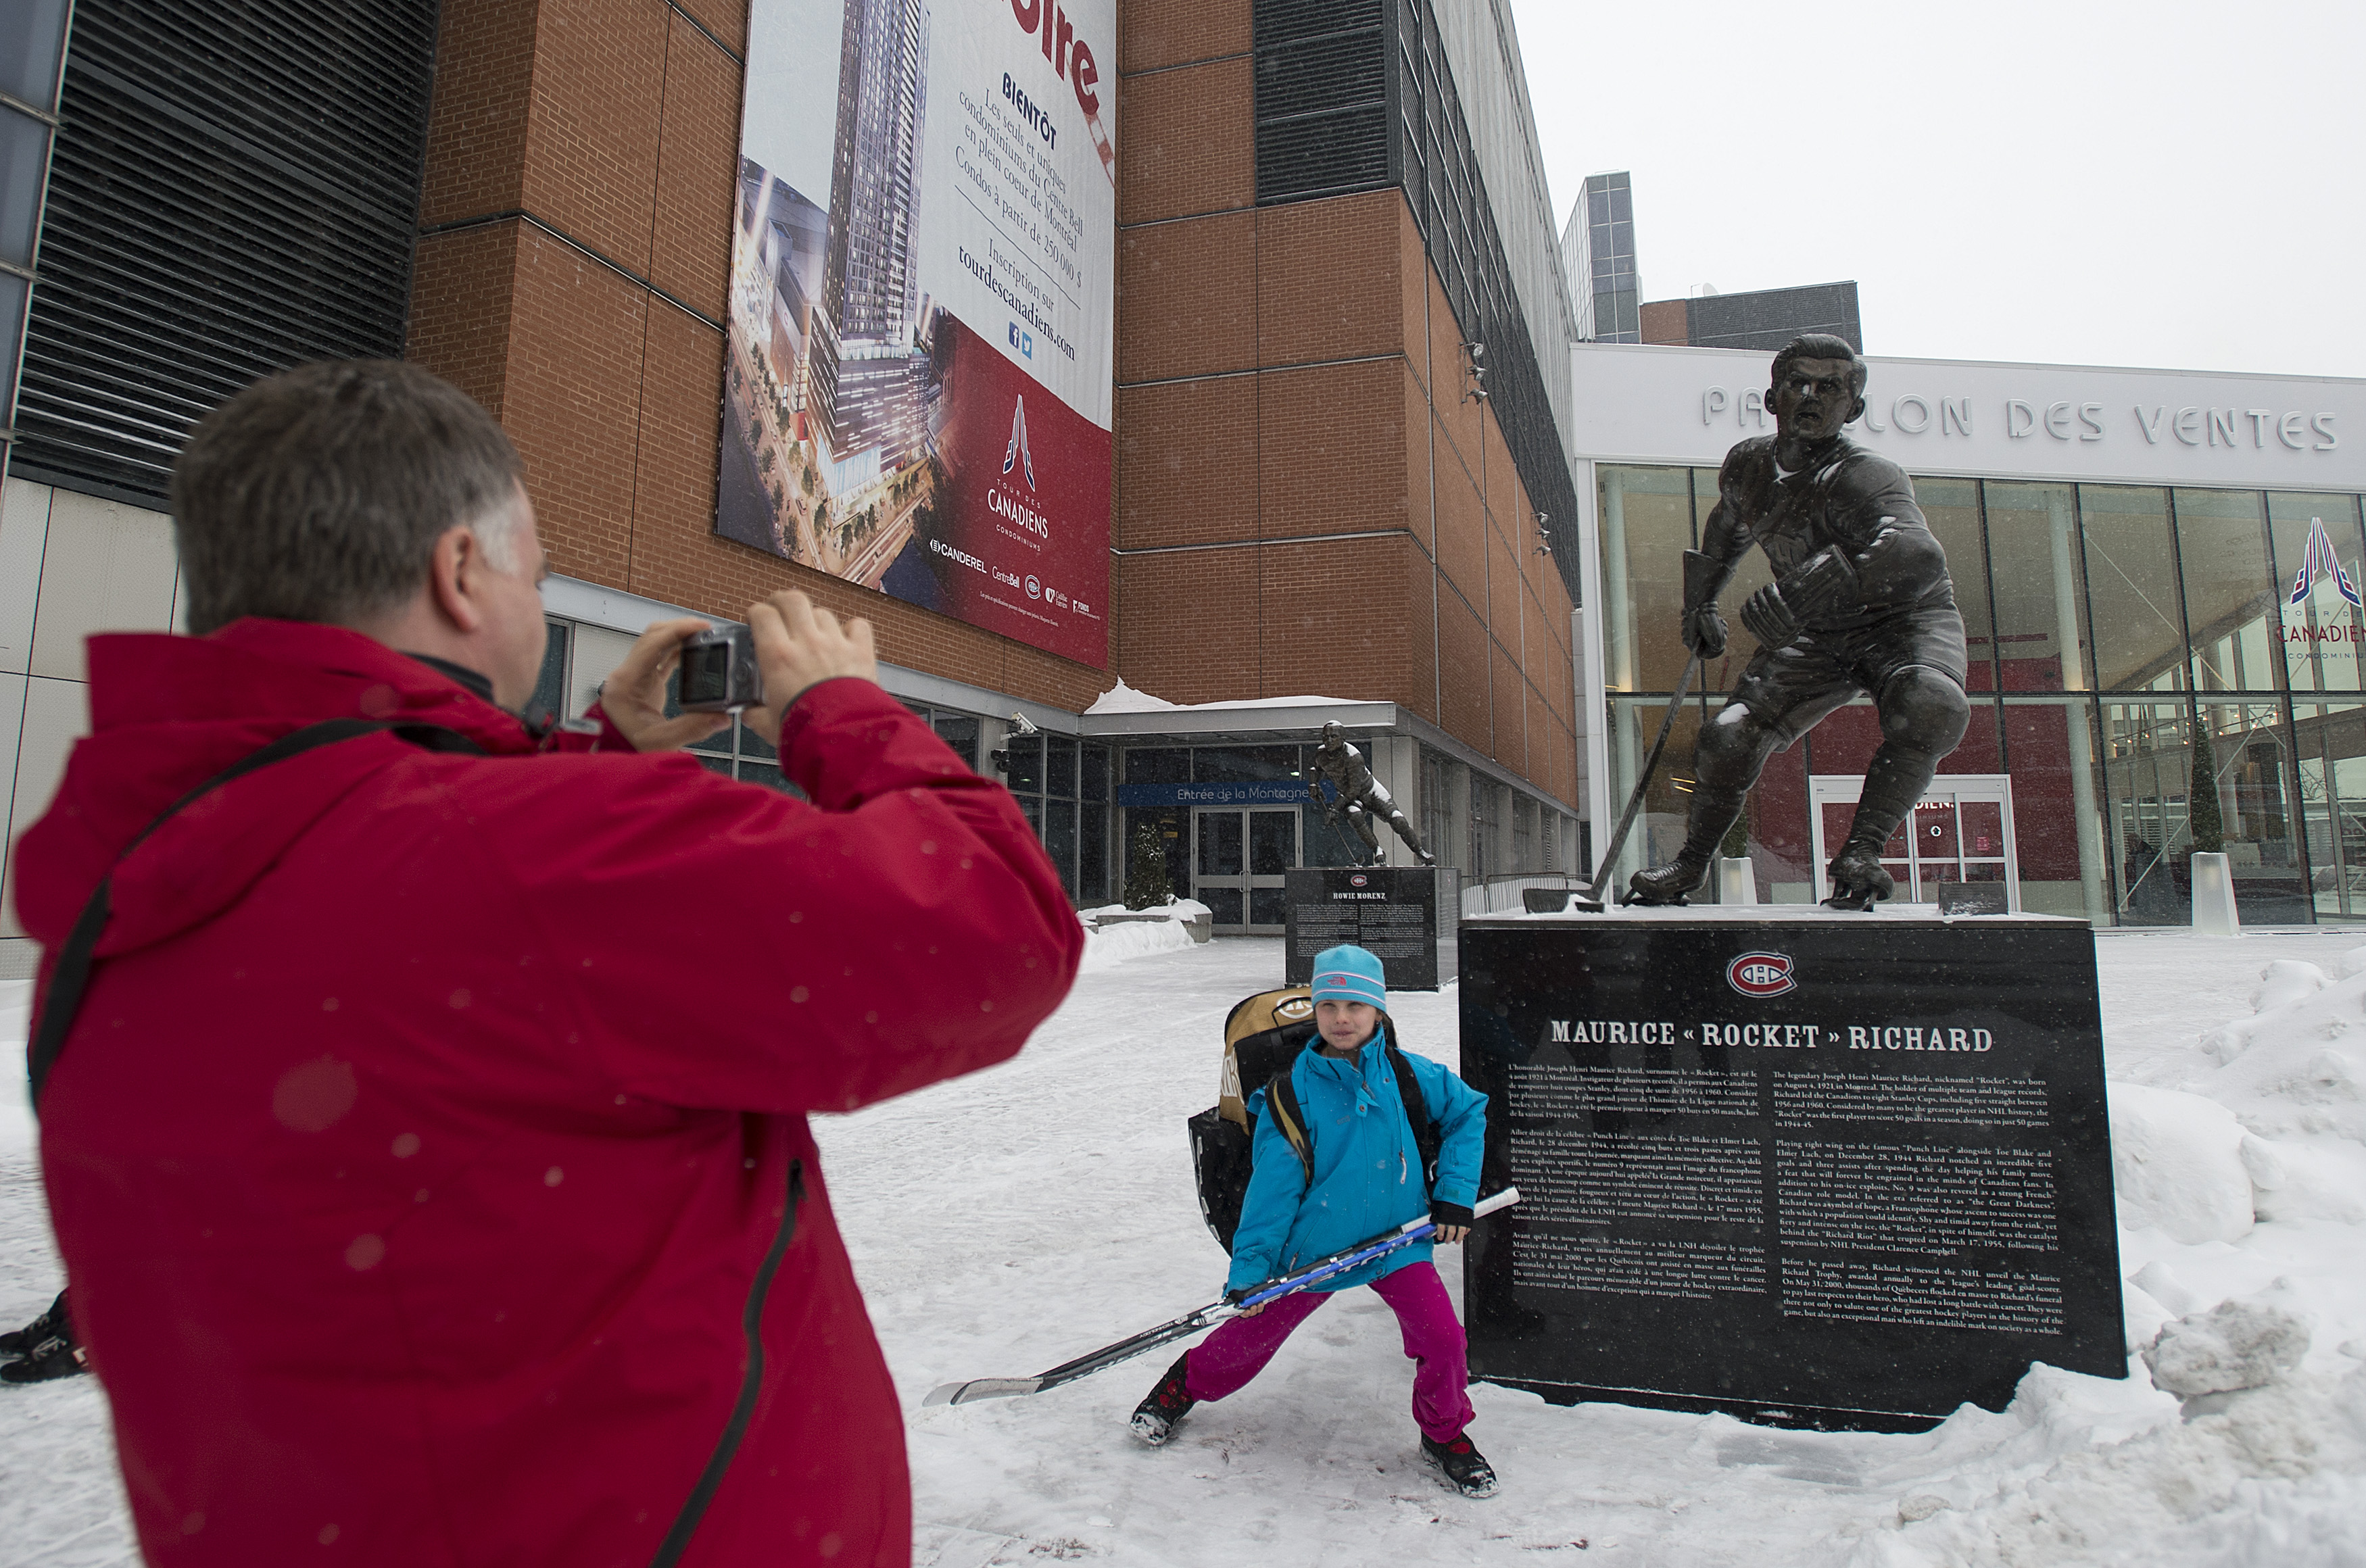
1321 97
235 190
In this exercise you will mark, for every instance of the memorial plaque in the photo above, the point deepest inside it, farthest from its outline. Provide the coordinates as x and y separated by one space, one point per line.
1405 915
1808 1168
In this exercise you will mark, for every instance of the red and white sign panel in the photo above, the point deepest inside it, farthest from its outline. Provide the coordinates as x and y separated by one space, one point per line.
916 394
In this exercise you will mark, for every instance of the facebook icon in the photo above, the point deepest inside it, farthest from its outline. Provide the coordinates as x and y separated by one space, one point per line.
1023 341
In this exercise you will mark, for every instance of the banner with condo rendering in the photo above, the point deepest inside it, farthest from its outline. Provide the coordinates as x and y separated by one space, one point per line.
916 394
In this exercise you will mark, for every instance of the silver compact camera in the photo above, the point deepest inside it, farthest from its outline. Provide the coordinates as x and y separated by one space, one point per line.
719 673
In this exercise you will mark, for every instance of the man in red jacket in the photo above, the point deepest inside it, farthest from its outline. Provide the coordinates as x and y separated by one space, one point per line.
429 1149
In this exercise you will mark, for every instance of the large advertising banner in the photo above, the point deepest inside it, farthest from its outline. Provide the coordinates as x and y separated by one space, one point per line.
916 394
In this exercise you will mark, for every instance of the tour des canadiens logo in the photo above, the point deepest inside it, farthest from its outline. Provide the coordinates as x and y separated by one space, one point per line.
1761 974
2321 561
1016 453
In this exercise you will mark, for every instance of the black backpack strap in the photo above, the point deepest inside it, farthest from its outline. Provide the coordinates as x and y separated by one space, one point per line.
71 978
1281 1105
1424 1131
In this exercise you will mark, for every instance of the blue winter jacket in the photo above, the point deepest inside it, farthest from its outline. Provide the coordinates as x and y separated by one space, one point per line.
1367 1169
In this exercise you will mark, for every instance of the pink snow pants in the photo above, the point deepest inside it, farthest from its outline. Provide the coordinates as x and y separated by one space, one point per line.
1239 1349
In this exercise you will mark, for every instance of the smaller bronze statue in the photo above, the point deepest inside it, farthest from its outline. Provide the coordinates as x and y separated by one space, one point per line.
1360 795
1861 602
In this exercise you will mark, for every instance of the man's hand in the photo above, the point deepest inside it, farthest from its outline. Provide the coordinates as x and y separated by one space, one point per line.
799 645
634 695
1705 631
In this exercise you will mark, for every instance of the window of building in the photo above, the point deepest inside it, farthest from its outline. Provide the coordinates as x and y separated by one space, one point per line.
1523 834
2041 600
2132 585
2322 631
1063 787
550 687
2230 597
1436 810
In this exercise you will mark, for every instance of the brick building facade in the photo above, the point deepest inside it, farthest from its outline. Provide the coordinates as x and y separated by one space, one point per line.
1307 497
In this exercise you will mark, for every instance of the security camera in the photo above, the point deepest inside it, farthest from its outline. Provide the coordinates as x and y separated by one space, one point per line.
1022 724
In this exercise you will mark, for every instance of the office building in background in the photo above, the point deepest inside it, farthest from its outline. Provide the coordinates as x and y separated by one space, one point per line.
1761 318
1597 251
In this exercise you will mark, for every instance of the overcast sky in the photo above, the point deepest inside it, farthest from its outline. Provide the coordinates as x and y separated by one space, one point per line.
2086 182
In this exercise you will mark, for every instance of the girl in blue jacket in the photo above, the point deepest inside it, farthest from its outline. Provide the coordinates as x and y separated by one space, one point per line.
1366 1180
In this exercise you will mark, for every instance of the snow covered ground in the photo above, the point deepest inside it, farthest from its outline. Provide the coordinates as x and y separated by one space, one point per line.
1009 1221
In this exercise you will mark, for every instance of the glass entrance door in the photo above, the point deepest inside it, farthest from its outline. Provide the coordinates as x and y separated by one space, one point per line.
1238 858
1960 831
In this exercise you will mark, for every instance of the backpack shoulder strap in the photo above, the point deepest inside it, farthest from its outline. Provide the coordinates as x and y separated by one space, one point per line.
1424 1131
70 976
1281 1104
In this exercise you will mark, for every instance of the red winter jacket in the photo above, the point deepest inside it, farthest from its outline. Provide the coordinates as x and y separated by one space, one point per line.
430 1118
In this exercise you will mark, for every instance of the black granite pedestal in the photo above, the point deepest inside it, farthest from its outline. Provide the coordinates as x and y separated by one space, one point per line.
1840 1170
1405 915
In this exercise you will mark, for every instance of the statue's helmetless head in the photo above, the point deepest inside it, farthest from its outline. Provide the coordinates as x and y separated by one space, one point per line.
1333 734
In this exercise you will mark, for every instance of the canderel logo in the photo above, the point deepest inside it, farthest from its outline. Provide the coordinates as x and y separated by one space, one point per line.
1016 453
1761 974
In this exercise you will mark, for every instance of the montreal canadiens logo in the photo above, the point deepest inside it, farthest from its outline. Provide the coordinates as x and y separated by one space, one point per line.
1357 880
1292 1008
1761 974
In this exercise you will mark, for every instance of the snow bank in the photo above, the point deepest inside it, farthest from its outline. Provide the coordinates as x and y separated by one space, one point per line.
1135 932
2269 1481
1124 699
2236 1344
1110 946
2177 1164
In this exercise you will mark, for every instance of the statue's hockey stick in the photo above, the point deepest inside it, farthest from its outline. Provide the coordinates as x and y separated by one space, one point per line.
1592 901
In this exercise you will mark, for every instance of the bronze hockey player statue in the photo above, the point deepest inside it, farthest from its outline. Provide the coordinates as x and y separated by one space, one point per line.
1861 602
1360 796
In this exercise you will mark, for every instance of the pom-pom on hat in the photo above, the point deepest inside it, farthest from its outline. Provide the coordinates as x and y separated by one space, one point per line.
1349 973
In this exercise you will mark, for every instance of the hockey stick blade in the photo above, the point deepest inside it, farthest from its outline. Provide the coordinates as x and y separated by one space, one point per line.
979 1388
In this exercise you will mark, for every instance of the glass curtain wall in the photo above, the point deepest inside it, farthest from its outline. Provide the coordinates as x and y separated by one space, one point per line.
2135 655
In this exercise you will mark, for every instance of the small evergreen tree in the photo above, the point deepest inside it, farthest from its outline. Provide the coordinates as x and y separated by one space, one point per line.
1146 882
1736 843
2202 817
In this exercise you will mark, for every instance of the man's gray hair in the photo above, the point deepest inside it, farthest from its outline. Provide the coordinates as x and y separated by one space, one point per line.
318 494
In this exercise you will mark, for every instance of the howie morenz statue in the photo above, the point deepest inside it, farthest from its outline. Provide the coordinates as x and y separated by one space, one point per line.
1861 602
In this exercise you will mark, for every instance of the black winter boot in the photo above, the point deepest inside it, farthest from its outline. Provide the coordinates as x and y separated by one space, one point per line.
1669 883
47 1347
17 1341
1154 1417
1464 1465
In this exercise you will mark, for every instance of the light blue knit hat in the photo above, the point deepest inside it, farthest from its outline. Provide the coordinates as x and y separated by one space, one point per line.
1349 973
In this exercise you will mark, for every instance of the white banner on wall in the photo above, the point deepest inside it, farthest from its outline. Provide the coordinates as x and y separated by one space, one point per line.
918 396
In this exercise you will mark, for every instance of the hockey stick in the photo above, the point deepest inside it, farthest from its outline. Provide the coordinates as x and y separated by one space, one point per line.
1208 1317
1592 901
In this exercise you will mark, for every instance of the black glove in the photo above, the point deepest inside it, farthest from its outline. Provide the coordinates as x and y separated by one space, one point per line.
1443 1214
1705 631
1822 581
1769 619
1775 613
